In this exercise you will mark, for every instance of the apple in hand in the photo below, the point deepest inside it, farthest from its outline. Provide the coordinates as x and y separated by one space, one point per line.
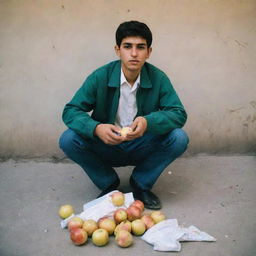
139 204
133 213
120 215
158 216
118 198
65 211
108 224
138 227
90 226
100 237
124 238
74 223
78 236
148 221
125 130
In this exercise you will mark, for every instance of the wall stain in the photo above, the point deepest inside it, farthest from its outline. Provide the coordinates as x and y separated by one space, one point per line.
253 103
241 44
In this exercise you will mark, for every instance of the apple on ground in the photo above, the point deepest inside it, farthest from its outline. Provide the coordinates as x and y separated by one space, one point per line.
139 204
108 224
100 237
138 227
118 198
74 223
133 213
124 238
120 215
125 225
158 216
148 221
90 226
78 236
65 211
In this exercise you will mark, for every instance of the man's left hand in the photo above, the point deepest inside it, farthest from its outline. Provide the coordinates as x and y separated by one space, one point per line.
139 126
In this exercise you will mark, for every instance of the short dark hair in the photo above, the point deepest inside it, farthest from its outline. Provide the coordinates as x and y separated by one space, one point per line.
133 28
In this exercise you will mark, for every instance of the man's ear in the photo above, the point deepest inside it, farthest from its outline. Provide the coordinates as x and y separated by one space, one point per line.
117 50
149 51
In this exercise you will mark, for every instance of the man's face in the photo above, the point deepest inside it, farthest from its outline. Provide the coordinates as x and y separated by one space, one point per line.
133 53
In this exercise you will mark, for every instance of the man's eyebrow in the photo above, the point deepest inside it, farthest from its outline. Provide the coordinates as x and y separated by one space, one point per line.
141 44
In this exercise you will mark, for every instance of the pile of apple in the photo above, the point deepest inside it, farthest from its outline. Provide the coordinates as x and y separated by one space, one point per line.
124 223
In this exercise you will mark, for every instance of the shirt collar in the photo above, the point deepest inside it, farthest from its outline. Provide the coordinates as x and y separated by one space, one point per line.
123 80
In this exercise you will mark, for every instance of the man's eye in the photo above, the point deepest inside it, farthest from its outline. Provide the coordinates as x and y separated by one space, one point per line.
127 46
141 47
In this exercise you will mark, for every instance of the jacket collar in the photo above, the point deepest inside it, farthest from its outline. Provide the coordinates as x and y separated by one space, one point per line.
115 75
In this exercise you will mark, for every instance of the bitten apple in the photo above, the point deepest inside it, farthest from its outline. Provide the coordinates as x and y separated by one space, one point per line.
138 227
74 223
133 213
78 236
118 198
90 226
124 238
158 216
120 215
125 130
100 237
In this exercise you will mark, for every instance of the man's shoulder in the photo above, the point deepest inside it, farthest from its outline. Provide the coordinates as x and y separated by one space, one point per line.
106 69
152 69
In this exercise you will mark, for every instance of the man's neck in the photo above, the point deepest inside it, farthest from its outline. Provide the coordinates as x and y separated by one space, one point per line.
131 76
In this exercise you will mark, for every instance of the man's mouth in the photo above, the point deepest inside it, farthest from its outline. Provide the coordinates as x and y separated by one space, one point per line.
133 61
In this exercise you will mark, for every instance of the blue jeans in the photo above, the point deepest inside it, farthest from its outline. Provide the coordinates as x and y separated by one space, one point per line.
150 154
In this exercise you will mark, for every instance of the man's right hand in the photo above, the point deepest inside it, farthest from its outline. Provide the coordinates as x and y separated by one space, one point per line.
108 133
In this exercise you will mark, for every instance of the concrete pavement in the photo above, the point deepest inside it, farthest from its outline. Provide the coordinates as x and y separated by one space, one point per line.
217 194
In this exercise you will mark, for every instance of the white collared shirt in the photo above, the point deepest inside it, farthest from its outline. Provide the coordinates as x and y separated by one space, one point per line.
127 108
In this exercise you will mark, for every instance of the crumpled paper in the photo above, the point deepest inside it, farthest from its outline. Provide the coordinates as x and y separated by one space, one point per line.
99 208
167 235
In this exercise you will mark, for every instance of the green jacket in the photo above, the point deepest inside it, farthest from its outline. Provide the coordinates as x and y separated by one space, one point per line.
157 101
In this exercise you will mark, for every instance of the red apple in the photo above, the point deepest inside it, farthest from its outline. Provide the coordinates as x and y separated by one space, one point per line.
139 204
108 224
124 238
100 237
133 213
138 227
118 198
148 221
158 216
74 223
90 226
125 225
120 215
78 236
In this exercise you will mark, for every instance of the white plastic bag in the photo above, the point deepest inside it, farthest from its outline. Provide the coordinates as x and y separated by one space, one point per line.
167 234
100 207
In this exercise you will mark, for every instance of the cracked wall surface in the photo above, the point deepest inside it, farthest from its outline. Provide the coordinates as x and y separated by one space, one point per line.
207 48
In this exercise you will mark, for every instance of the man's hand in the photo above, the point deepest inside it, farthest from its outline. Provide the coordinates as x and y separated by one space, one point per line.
139 126
108 133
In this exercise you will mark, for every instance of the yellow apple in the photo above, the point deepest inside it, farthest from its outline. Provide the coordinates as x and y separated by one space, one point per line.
100 237
65 211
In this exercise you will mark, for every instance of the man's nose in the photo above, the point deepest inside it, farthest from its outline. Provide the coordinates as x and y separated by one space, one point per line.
134 51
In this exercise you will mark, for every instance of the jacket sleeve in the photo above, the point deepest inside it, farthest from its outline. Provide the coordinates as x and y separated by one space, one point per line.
75 114
171 113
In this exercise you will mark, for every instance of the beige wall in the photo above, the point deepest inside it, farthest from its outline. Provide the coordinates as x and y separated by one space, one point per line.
48 47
